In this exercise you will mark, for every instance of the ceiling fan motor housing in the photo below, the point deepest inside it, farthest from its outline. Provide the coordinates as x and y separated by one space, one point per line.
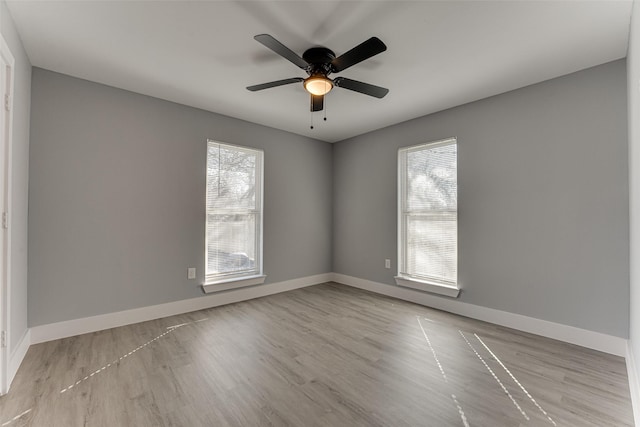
319 59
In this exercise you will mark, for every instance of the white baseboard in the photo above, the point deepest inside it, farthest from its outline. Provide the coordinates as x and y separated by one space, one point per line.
634 385
582 337
17 356
85 325
594 340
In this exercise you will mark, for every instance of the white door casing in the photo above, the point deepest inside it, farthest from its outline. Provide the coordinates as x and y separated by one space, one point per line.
7 63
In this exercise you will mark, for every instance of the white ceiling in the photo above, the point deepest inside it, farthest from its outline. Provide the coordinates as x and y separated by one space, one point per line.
440 54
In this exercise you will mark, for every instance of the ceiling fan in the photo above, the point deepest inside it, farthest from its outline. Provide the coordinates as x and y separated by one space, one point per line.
319 62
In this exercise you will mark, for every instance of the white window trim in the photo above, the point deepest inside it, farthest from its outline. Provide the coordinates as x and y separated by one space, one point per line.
238 282
450 290
432 287
234 281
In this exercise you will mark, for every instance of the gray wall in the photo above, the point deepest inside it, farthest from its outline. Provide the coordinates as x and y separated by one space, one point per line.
117 193
543 199
19 179
117 199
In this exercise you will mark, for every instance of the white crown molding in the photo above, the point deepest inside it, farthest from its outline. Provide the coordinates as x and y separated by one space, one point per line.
570 334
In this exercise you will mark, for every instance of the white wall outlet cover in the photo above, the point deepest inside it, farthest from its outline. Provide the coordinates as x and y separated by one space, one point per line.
191 273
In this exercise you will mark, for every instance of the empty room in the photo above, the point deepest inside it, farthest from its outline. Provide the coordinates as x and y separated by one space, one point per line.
319 213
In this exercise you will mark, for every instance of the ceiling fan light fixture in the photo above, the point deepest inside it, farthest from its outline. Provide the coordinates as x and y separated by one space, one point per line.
318 62
318 85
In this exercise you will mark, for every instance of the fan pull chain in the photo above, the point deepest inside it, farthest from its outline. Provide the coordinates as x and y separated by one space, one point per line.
325 108
326 85
311 119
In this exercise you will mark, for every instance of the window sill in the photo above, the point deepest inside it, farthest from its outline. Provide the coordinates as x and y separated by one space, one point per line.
239 282
432 287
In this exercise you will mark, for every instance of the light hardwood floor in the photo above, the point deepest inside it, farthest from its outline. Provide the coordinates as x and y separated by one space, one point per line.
327 355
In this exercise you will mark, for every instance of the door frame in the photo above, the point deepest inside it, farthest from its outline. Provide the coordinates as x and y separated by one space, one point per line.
6 87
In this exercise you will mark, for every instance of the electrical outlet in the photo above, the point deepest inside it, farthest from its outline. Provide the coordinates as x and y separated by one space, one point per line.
387 263
191 273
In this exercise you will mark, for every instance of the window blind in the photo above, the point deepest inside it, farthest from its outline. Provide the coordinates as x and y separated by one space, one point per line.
428 212
234 211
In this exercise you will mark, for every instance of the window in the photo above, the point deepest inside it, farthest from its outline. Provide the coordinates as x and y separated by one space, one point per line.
428 217
234 217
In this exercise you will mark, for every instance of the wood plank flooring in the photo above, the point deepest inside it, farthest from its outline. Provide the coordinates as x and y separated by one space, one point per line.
327 355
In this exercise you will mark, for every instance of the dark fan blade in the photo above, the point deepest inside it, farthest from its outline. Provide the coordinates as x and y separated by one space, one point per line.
275 84
281 50
317 102
366 88
364 50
